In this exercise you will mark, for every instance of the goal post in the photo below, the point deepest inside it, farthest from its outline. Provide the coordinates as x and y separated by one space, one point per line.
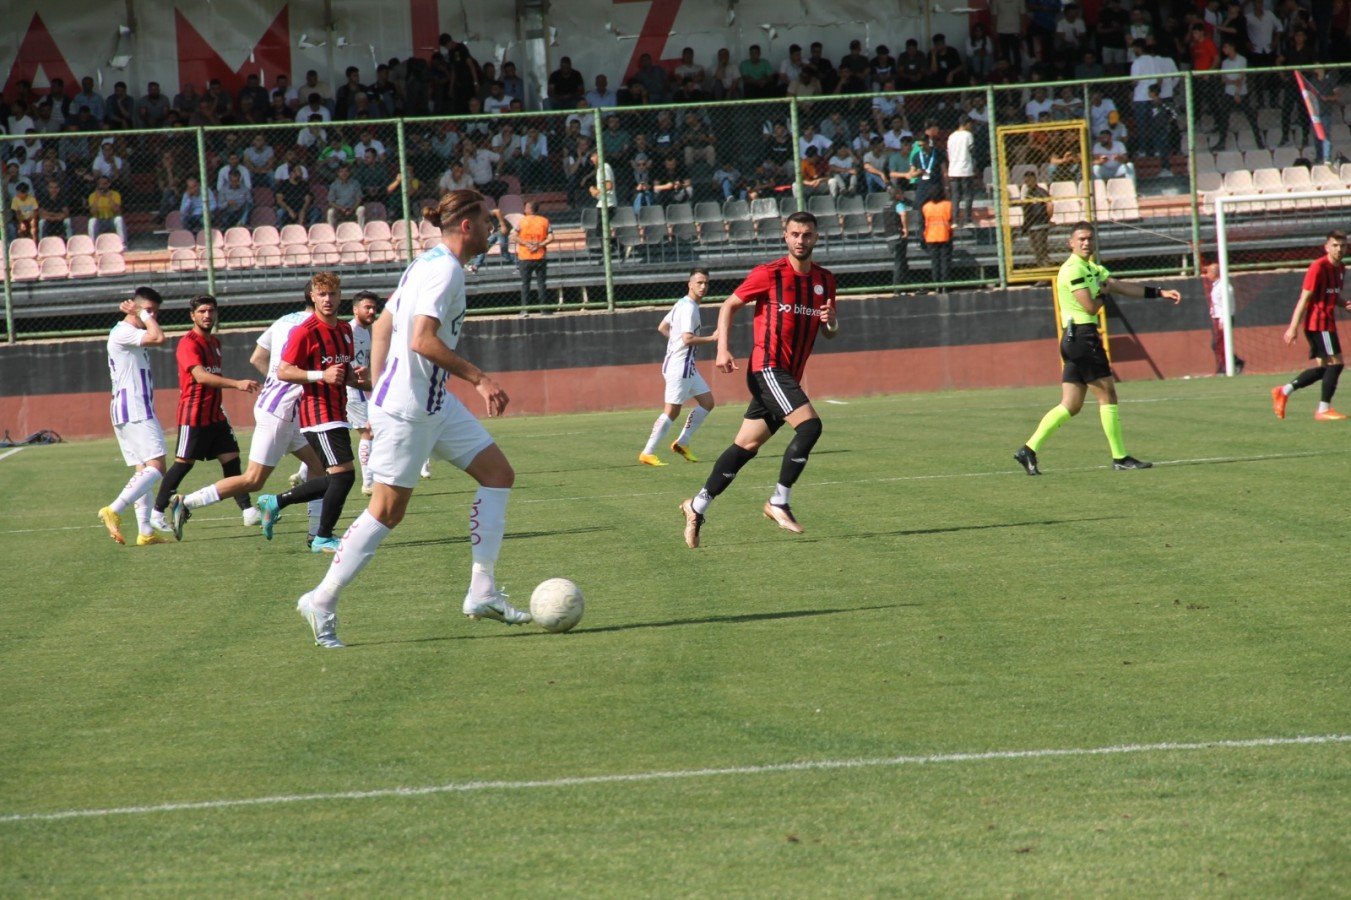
1227 205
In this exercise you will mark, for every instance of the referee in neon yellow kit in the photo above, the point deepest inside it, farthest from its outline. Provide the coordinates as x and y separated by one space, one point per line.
1078 286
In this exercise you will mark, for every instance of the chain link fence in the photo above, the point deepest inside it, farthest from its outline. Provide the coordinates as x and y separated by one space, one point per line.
913 192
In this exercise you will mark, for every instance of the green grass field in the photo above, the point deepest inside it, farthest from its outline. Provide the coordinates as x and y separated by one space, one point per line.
946 622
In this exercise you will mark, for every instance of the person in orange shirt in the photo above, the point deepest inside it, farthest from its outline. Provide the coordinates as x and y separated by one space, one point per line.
533 237
937 212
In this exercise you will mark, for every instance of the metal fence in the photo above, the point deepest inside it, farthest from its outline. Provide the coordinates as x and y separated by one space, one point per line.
636 195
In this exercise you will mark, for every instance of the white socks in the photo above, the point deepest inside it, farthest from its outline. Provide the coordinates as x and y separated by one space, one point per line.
364 457
1324 407
701 501
487 524
780 497
659 429
303 472
358 545
143 509
692 423
142 484
205 497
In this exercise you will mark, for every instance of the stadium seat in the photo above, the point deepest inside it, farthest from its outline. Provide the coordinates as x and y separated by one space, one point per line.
1205 162
680 218
53 267
346 233
353 253
23 248
1238 181
217 238
376 211
239 257
1257 159
1068 210
50 247
293 235
180 239
848 204
381 251
427 229
1227 161
855 224
764 208
109 243
266 235
1296 178
322 233
325 253
83 266
183 259
295 255
267 255
24 269
711 231
821 205
1100 200
112 264
375 231
1064 189
787 205
880 201
80 245
173 221
238 237
736 209
1267 181
741 231
1282 157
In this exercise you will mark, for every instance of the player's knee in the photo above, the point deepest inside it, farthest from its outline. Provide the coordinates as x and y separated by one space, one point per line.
499 476
806 434
345 477
707 402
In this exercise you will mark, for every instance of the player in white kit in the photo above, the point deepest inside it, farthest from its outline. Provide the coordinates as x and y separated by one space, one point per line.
138 431
413 416
276 430
683 381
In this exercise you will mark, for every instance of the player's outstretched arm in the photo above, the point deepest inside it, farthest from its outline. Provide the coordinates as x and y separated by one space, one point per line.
202 376
335 374
425 343
1133 289
725 361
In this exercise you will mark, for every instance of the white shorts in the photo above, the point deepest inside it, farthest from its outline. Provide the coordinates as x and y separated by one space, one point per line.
399 447
273 438
140 441
678 389
357 415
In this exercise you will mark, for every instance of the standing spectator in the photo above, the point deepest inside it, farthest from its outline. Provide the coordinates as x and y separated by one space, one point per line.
1156 130
937 212
980 52
1300 52
534 234
1111 35
235 202
945 64
385 93
344 199
105 210
191 207
121 109
566 86
962 170
1147 69
1037 206
1010 24
1071 34
824 68
24 206
1235 97
928 165
258 159
725 79
221 104
295 203
856 64
344 104
1110 159
757 76
153 109
254 90
53 211
604 192
1264 31
1043 16
654 78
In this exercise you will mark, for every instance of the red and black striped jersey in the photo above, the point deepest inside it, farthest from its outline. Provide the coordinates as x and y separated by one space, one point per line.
787 313
1324 283
312 346
197 403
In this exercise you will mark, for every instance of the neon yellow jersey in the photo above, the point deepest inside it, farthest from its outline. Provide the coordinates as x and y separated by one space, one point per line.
1077 273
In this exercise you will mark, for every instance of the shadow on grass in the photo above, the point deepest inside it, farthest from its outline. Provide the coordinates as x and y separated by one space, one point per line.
634 626
948 529
511 536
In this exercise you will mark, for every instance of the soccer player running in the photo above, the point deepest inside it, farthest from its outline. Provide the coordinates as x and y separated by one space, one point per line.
1315 312
203 430
1079 286
412 416
276 429
794 298
133 412
365 306
680 327
319 356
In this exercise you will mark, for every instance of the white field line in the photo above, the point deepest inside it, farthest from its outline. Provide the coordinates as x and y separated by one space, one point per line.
1011 471
824 765
10 453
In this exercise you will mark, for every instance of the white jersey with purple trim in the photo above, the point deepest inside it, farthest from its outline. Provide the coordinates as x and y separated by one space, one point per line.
412 386
361 356
683 317
278 398
129 368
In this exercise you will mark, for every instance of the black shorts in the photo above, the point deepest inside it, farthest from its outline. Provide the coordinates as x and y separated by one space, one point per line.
774 394
1084 355
206 441
334 446
1323 344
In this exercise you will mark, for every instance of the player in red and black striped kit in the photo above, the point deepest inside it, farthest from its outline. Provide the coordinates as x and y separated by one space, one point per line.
319 355
1316 313
794 299
203 430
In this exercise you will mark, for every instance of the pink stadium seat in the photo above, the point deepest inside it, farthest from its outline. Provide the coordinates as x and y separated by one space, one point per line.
25 269
322 233
238 237
325 253
217 238
239 258
108 243
375 231
181 238
112 264
51 247
173 221
295 255
83 267
267 255
292 235
23 248
183 259
381 251
353 253
53 267
266 236
347 232
426 229
79 245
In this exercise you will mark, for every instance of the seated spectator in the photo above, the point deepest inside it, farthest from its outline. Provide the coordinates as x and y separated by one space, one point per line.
883 66
843 171
534 166
234 164
221 103
204 114
697 140
855 64
88 97
805 84
483 165
249 112
835 128
153 109
1088 68
108 163
654 77
725 79
234 202
1040 103
295 203
757 76
825 69
815 177
641 165
336 154
369 142
980 52
105 210
289 162
53 211
345 199
565 86
455 178
312 85
385 93
888 105
791 67
601 96
512 84
688 68
945 65
254 90
875 177
259 159
372 175
728 181
406 177
24 206
897 134
314 106
779 146
768 180
1068 104
120 108
811 139
671 184
912 68
190 209
279 112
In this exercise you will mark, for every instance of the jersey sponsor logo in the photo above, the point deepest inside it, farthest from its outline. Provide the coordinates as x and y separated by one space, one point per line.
799 309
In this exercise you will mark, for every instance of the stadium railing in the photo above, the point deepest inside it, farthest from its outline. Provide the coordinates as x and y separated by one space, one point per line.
700 182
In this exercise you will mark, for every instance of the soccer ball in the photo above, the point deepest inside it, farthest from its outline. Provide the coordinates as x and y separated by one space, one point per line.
557 605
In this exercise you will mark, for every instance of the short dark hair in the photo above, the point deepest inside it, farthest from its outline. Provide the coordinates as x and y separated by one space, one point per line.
147 293
202 300
699 270
1336 235
1084 225
801 217
366 295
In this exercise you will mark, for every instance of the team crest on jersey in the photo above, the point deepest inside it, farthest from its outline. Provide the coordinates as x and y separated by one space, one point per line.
819 290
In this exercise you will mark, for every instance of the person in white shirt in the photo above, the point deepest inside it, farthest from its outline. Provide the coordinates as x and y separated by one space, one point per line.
1040 103
688 68
962 172
1215 290
680 327
810 138
1102 107
455 178
365 307
498 100
1147 63
233 163
1263 29
106 163
139 433
259 156
601 96
413 416
894 136
1110 159
368 142
1235 97
314 107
